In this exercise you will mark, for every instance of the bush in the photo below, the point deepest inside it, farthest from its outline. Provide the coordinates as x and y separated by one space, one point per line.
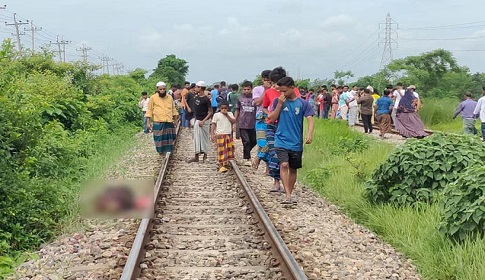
464 205
419 170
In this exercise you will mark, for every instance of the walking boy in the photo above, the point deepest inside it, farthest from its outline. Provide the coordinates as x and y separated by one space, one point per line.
221 133
246 120
290 110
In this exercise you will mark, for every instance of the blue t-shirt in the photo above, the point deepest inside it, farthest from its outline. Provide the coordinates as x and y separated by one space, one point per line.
383 104
214 93
289 134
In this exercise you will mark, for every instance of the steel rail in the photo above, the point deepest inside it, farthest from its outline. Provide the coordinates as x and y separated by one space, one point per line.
132 267
289 265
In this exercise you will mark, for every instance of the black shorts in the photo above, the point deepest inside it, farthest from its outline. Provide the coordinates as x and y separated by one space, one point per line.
292 157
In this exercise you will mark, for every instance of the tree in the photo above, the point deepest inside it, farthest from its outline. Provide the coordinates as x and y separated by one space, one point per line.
340 77
172 69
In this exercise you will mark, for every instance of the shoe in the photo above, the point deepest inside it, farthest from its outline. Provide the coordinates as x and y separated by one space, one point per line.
222 169
204 157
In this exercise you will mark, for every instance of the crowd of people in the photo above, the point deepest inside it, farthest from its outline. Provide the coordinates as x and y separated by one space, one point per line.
271 117
396 106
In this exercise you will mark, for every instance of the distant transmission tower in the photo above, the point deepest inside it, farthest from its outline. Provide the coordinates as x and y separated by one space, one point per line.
389 39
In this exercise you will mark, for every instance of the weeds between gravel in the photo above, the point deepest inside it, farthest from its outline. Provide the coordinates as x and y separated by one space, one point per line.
337 164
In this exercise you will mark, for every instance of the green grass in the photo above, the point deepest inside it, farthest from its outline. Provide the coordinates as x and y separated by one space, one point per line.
110 148
413 231
437 114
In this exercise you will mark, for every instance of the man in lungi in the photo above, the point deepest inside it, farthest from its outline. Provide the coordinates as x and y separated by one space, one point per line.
203 113
161 109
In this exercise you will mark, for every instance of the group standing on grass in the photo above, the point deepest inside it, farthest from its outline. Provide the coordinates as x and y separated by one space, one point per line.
271 117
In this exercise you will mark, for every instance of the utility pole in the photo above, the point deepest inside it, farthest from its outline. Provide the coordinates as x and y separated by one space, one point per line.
106 60
17 30
84 50
389 38
33 29
61 48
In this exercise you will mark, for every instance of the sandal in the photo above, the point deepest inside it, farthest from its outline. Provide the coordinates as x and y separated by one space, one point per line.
287 202
204 157
255 163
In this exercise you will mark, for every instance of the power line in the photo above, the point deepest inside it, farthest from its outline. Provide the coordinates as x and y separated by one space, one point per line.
442 39
390 36
450 26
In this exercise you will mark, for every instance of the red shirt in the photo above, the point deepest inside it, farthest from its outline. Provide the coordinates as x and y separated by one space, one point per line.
270 95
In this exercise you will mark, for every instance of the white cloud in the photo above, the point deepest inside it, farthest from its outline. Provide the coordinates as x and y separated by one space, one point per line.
337 21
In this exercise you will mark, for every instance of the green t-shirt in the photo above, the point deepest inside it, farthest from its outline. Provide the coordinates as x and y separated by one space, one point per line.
232 99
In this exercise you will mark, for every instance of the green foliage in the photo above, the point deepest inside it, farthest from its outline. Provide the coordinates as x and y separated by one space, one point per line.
464 205
436 111
418 170
53 118
171 70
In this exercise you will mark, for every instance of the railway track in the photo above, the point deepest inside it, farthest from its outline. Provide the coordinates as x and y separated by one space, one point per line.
207 225
393 130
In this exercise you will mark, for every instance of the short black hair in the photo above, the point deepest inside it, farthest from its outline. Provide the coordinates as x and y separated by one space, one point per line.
386 92
265 74
389 86
144 93
277 74
399 84
216 86
286 81
247 83
234 87
332 85
324 87
223 84
376 91
468 94
483 88
366 90
223 102
187 83
177 86
192 85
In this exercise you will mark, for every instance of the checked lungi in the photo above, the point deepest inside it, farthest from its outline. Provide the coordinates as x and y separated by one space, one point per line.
225 148
273 162
260 126
164 136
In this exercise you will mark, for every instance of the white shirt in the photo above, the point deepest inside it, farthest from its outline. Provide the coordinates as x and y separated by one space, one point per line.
351 94
223 125
398 94
143 104
480 108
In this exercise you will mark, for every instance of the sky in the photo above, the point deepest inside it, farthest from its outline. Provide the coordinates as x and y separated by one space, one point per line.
236 40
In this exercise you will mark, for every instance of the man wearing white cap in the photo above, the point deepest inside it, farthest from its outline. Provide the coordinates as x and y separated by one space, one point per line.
161 109
203 113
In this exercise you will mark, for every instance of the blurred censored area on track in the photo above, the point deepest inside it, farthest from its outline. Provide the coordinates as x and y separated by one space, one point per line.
112 199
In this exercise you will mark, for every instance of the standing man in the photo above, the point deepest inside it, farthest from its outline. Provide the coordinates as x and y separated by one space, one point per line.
480 112
397 95
203 113
214 94
185 122
290 111
352 105
466 109
143 104
161 109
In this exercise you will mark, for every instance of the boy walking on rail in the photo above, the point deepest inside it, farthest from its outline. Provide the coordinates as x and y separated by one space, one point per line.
221 133
290 110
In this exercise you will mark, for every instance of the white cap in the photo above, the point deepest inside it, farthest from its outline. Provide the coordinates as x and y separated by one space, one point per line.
200 84
160 84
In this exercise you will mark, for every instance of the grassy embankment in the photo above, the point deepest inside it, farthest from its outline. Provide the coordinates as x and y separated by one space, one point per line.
412 231
437 114
109 148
